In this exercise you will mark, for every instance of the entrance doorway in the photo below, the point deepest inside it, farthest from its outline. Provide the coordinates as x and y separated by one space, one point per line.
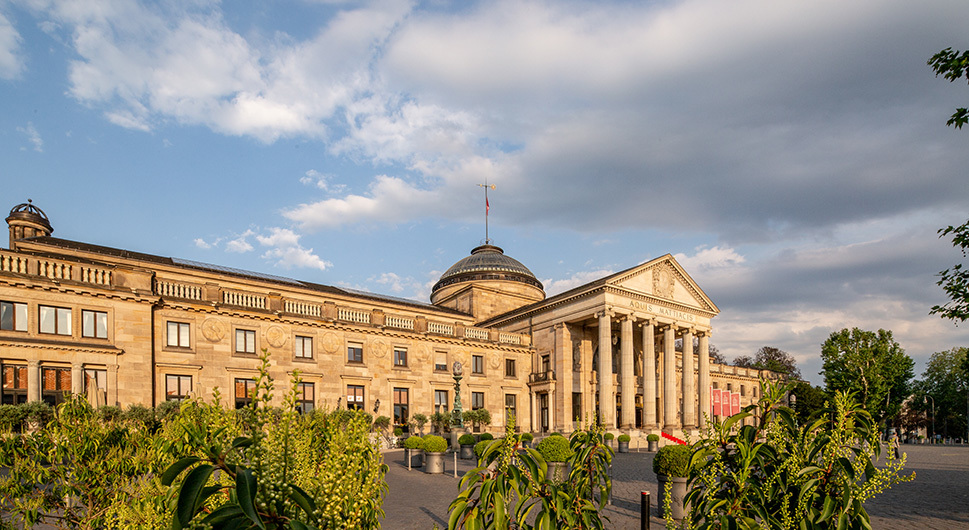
543 411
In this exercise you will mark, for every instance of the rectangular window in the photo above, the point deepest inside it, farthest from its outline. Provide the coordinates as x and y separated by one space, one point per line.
55 320
96 381
177 387
510 368
13 316
577 407
511 409
401 406
305 397
178 335
440 361
547 365
94 324
477 364
355 353
440 401
245 341
14 384
56 382
304 347
400 357
245 391
355 397
477 400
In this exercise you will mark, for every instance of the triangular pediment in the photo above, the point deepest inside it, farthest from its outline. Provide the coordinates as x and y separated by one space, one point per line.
663 279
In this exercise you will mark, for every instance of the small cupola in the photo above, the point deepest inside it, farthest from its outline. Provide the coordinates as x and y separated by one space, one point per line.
26 221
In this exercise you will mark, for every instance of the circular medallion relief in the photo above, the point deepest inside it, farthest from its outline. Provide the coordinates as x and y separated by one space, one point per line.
663 282
423 353
213 329
379 348
495 361
331 343
276 336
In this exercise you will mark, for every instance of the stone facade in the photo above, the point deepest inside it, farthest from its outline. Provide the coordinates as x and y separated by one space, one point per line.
126 328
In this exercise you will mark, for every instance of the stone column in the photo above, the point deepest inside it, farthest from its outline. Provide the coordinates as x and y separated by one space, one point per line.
704 377
112 385
77 379
607 404
33 381
563 372
628 383
670 403
531 411
689 383
649 376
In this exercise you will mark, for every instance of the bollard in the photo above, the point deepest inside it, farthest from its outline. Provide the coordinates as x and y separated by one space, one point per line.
644 510
407 457
610 481
455 465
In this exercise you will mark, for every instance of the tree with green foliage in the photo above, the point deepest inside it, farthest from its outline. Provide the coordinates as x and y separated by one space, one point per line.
953 65
955 280
771 358
946 381
808 400
872 365
781 474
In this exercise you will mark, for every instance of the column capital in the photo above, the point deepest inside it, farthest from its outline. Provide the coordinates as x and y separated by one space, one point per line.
627 316
607 312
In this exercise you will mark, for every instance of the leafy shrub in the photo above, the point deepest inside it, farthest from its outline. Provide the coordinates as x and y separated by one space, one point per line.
527 437
555 449
673 460
381 423
652 438
398 432
166 410
487 436
38 412
479 448
414 442
609 436
440 421
559 434
466 439
434 444
624 438
12 417
420 420
484 417
109 413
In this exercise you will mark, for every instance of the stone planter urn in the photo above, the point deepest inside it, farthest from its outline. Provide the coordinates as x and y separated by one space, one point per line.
434 462
652 446
623 447
558 471
414 456
467 452
677 496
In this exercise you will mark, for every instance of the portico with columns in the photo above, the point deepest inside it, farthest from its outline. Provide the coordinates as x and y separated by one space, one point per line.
608 350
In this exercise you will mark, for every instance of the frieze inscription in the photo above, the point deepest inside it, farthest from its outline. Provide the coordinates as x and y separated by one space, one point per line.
662 311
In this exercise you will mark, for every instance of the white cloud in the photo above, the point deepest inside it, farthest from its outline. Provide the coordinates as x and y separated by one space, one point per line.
287 252
553 287
240 244
11 64
321 181
709 258
32 136
200 243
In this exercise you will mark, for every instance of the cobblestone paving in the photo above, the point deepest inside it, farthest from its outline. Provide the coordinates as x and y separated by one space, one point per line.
937 499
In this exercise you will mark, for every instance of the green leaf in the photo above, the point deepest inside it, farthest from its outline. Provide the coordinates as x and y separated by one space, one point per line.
241 442
246 494
223 514
829 506
175 469
302 499
189 496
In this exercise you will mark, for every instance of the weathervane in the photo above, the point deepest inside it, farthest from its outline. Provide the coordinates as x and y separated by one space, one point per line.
486 186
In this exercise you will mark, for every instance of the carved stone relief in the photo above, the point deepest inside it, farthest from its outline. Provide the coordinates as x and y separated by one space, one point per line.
276 336
213 329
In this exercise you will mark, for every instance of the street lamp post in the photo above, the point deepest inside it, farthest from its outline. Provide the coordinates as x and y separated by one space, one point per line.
932 439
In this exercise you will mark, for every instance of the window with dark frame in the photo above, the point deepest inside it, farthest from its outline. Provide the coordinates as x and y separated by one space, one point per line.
305 397
440 401
14 385
401 406
245 391
477 364
440 361
246 341
94 324
510 368
477 400
55 320
547 365
177 387
511 408
400 357
303 347
13 316
178 335
355 353
55 383
355 397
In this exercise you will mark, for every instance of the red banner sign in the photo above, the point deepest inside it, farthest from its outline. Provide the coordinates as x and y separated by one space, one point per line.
717 404
735 403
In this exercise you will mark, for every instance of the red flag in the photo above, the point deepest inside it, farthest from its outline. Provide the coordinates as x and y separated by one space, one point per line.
487 205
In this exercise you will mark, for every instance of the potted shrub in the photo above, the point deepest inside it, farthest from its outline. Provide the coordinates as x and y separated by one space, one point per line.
420 421
480 447
653 441
440 422
556 452
487 436
527 439
609 437
672 464
467 446
623 443
414 450
434 448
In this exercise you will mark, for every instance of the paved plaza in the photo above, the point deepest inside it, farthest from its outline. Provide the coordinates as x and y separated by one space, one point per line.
937 499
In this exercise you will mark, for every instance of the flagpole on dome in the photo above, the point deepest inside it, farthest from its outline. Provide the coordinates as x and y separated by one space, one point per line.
487 208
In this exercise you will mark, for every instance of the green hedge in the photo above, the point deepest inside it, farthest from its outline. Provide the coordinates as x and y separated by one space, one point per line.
479 448
652 438
527 437
487 436
555 449
624 438
466 439
414 442
673 461
609 436
434 444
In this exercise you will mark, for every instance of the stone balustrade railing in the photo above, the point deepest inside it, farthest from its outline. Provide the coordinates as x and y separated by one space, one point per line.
170 289
476 333
509 338
305 309
353 315
13 263
241 299
394 321
440 329
95 275
54 270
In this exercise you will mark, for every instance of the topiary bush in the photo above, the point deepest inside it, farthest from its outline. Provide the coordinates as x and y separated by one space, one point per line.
609 436
556 434
555 449
673 461
414 442
487 436
652 438
466 439
624 438
527 437
479 448
434 444
398 432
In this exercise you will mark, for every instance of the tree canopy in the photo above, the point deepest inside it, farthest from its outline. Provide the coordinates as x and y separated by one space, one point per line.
955 280
952 64
946 381
770 358
870 364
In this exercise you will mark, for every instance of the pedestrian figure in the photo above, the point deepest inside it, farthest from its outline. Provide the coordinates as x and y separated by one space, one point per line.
893 443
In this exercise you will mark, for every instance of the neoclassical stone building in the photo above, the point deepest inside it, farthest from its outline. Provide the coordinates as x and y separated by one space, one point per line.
125 327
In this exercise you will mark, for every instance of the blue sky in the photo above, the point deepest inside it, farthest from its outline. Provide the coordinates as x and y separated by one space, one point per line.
793 156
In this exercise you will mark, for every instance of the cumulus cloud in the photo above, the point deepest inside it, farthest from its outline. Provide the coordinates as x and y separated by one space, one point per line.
11 64
707 258
202 244
240 243
554 287
287 252
32 136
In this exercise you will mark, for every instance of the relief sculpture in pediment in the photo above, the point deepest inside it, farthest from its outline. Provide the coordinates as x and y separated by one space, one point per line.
663 281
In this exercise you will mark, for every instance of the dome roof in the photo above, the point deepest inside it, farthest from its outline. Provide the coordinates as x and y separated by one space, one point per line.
487 262
28 212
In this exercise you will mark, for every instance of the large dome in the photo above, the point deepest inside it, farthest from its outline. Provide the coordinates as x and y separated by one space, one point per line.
487 262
